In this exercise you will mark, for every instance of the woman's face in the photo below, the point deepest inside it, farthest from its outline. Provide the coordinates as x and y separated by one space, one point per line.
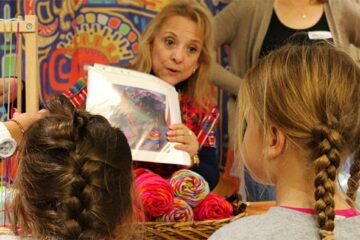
176 49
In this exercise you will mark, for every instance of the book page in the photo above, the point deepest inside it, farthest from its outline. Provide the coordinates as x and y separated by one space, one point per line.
142 106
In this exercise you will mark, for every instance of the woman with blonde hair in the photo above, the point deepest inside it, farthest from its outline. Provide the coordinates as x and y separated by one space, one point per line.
197 81
177 47
298 119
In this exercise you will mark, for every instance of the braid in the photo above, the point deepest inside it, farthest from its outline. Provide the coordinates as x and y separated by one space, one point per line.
74 177
318 113
86 176
71 206
327 143
353 182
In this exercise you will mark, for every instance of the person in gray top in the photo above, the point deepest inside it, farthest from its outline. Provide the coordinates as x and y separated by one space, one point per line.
280 223
298 119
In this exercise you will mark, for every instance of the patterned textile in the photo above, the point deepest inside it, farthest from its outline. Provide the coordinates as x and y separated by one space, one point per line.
200 122
74 34
77 94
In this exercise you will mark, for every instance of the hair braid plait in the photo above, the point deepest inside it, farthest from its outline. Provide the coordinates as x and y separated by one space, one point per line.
353 181
72 205
87 189
74 177
327 143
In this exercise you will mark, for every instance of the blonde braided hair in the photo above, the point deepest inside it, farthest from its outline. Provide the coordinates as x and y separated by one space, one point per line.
311 92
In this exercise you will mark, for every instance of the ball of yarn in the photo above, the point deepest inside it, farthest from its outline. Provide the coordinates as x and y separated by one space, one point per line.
153 192
189 186
180 211
138 171
213 207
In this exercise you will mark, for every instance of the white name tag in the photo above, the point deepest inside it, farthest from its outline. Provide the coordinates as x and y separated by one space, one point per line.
316 35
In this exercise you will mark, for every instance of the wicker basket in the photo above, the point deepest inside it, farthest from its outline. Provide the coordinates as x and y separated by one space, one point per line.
183 230
197 230
172 231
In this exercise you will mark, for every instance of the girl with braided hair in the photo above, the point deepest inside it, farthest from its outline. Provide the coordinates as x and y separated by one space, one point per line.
298 121
74 178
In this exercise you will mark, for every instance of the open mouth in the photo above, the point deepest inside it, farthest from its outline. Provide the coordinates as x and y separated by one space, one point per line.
172 70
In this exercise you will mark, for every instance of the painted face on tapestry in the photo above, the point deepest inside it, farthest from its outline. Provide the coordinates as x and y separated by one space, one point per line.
176 49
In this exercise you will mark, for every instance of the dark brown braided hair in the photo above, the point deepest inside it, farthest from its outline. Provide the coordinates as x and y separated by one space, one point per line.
74 178
311 91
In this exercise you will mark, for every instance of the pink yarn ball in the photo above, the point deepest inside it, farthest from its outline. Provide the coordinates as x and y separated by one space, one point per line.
213 207
153 192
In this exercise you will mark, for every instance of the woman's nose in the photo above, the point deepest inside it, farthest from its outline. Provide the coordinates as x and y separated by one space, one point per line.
178 55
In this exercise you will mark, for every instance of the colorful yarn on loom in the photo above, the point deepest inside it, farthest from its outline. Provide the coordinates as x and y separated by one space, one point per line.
213 207
180 212
153 192
189 186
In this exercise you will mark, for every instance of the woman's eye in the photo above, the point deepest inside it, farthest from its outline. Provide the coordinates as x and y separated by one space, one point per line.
193 50
168 42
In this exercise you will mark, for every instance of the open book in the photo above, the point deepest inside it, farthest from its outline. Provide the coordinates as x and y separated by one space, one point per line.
142 106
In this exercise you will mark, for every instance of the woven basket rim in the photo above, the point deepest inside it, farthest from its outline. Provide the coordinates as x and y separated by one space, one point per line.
206 222
196 230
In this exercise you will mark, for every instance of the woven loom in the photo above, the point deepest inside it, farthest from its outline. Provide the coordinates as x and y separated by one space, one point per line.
27 30
25 44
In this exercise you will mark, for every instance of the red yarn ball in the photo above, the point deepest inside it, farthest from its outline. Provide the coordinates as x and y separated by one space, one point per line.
213 207
153 192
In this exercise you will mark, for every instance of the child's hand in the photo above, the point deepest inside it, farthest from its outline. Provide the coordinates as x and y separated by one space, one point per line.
181 134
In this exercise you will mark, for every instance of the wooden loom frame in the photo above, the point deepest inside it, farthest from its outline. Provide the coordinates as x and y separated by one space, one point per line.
28 29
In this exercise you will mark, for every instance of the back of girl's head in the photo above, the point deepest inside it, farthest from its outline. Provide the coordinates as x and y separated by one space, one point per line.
198 13
312 93
74 177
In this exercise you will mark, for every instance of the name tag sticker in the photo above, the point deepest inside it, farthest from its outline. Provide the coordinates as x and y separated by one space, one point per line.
316 35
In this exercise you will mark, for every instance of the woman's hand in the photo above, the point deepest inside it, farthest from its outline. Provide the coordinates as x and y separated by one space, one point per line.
181 134
22 122
28 119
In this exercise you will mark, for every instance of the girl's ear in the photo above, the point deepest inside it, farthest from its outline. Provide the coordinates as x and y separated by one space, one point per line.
276 142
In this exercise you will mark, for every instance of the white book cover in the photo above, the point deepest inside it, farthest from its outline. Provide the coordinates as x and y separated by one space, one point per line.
142 106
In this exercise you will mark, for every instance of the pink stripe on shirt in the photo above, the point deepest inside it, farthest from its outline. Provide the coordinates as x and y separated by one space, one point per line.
351 212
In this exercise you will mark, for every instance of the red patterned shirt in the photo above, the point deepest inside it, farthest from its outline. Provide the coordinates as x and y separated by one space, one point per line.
201 122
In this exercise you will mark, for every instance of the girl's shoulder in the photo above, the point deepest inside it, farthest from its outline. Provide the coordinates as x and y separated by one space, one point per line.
270 225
